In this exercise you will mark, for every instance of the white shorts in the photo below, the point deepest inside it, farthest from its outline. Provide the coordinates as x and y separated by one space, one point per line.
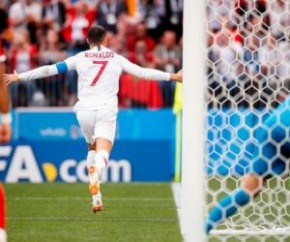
97 124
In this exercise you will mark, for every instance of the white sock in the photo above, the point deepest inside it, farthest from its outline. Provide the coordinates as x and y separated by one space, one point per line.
97 196
101 159
91 158
3 235
90 161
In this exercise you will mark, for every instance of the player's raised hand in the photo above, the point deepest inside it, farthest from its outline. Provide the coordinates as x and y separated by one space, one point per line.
9 78
180 75
177 76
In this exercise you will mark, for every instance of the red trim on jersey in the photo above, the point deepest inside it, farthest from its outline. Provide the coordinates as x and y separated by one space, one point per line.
2 56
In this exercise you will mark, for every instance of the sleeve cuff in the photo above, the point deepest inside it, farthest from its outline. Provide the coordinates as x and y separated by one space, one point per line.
2 58
21 77
6 118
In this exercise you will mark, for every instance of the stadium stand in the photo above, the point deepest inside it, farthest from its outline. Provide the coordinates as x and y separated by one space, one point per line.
43 32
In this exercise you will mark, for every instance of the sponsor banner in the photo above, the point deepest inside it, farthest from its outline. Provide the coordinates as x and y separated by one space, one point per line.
65 161
131 124
47 125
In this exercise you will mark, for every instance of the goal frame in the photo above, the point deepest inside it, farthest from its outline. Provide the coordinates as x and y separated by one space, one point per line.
193 158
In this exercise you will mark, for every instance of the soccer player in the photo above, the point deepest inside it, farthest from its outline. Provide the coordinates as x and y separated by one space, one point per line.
267 160
5 136
99 69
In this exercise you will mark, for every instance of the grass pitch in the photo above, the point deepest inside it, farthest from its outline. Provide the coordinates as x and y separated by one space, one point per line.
62 212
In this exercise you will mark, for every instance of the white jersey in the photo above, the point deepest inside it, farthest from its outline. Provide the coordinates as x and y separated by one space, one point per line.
98 76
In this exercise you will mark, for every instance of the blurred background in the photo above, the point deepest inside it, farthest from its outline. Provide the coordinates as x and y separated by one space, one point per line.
248 70
41 32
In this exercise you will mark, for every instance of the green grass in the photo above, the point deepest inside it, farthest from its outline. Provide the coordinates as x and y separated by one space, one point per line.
62 212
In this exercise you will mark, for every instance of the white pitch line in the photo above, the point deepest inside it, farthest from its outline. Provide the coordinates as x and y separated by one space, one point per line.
87 198
176 190
96 219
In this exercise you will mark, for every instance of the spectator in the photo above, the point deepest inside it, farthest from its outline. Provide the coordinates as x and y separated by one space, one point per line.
33 18
267 55
140 93
226 52
109 13
151 12
23 57
168 56
283 65
52 51
53 14
79 19
142 56
279 18
173 16
140 34
17 15
25 15
216 15
168 53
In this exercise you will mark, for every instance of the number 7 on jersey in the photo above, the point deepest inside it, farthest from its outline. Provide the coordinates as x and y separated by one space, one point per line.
100 72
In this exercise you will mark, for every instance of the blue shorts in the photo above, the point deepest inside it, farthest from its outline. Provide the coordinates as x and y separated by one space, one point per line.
273 156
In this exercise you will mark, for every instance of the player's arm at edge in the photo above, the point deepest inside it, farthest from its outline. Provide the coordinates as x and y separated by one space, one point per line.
6 119
148 73
4 100
41 72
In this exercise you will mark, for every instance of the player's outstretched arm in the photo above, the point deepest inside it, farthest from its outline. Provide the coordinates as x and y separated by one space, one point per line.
40 72
148 73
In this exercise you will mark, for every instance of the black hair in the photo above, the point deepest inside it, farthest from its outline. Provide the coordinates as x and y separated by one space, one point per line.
96 35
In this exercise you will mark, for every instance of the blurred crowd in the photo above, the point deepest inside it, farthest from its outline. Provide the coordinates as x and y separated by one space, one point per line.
248 47
41 32
249 52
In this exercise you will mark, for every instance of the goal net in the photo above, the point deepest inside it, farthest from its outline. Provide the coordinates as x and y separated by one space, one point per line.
248 79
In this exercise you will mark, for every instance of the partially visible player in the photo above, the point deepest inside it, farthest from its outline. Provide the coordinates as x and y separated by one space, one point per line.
99 70
267 160
5 136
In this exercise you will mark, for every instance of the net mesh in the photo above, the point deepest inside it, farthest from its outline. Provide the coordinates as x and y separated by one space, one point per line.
248 88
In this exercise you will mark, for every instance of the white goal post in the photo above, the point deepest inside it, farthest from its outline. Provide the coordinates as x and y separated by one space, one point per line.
192 190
